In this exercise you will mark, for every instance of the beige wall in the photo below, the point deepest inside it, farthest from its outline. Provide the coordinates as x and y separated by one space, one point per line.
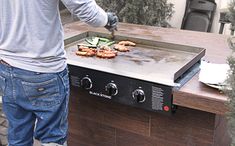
179 8
224 3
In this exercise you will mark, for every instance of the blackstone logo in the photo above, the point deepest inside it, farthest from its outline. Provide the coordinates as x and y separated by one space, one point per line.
100 94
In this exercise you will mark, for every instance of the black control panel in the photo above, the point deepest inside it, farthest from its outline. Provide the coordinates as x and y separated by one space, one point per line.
124 90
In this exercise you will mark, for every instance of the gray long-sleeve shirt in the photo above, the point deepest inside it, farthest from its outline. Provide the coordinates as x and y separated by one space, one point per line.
31 34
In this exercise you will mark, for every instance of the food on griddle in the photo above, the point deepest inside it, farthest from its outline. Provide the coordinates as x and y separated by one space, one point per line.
104 47
127 43
121 48
87 54
107 48
82 47
110 43
93 41
100 47
86 45
86 51
106 54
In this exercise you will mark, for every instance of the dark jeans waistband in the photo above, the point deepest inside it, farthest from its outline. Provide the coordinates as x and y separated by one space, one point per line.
4 62
7 68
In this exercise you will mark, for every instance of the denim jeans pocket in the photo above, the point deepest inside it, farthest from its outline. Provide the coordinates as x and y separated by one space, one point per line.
65 81
64 112
2 85
43 94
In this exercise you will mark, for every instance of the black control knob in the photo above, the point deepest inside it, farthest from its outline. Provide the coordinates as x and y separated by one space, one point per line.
138 95
86 83
111 89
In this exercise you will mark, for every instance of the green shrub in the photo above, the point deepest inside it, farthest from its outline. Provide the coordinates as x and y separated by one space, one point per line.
146 12
230 91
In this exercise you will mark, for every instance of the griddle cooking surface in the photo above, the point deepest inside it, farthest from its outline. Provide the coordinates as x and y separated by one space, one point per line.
150 63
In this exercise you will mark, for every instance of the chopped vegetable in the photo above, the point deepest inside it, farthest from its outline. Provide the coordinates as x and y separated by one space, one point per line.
92 41
110 43
88 45
95 41
88 41
104 40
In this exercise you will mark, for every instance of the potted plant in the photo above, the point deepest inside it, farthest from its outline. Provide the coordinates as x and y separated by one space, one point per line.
231 14
230 90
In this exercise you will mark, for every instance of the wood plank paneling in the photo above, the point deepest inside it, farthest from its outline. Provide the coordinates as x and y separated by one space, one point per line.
125 138
86 132
97 122
221 135
111 114
186 126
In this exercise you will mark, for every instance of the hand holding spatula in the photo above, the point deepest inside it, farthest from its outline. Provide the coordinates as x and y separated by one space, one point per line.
112 23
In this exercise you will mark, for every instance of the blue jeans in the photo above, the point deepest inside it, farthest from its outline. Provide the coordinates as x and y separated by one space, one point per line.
35 104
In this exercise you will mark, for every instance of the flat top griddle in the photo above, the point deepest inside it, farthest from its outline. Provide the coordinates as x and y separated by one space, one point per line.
153 61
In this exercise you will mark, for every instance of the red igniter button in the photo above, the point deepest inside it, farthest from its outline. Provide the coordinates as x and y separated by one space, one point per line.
166 108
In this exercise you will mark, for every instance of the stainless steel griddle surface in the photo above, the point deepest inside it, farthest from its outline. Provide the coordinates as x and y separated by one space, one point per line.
150 61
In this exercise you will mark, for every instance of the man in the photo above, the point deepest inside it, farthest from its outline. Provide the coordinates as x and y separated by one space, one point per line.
33 71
